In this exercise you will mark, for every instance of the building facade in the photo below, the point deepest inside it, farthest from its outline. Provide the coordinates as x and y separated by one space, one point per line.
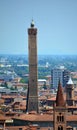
59 73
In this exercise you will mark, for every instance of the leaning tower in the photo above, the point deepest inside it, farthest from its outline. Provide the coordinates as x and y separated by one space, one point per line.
32 100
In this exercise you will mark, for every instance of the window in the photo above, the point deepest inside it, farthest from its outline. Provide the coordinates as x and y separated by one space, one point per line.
20 128
60 118
60 127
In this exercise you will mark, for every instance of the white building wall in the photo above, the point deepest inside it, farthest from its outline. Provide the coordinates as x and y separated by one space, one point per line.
57 74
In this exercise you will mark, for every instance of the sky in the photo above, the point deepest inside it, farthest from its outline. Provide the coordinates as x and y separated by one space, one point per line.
56 21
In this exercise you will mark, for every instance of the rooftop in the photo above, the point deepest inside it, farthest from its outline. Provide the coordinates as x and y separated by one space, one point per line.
70 82
59 98
43 117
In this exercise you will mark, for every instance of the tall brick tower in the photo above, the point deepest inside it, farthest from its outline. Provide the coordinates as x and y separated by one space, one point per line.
59 110
32 104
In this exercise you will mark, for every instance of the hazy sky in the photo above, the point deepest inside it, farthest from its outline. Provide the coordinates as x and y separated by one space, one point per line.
56 21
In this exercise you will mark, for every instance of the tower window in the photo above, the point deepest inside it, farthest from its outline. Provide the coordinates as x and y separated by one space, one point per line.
20 128
60 127
60 118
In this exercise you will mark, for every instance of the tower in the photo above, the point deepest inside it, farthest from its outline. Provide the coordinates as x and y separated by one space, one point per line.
59 113
70 92
32 104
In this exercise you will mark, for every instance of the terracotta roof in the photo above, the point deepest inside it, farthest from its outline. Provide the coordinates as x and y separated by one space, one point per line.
75 98
42 97
59 98
16 127
71 118
38 117
46 128
1 112
72 107
52 99
1 101
35 117
8 96
10 113
43 117
12 96
2 117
